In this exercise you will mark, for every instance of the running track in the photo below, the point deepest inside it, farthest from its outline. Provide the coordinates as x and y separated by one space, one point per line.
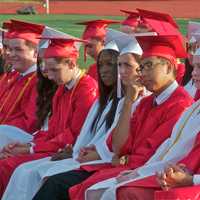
177 8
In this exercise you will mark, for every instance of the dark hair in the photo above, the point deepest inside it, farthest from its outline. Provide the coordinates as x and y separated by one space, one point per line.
188 72
46 90
106 92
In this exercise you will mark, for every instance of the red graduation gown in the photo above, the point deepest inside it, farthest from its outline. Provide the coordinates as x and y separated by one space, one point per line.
92 71
149 185
18 102
180 73
6 81
150 126
70 109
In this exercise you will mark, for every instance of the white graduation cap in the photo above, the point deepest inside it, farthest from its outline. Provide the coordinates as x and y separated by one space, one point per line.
111 45
196 57
53 33
192 28
126 43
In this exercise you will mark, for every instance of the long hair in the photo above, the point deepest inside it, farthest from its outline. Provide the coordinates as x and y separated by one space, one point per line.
46 90
105 92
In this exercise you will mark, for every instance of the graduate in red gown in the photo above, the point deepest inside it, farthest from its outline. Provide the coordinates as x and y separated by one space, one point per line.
19 109
174 176
151 124
94 32
71 103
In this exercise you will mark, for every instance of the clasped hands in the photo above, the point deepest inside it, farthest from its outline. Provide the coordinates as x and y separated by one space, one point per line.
13 149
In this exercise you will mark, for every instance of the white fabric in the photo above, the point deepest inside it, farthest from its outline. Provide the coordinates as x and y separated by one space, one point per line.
112 46
9 134
166 93
182 147
29 70
196 179
190 88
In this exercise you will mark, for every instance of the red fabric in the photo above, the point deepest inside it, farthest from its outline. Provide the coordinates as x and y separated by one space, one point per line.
157 16
62 48
166 46
25 30
64 126
96 28
71 112
132 19
6 82
22 115
180 73
150 126
197 95
92 71
192 161
190 193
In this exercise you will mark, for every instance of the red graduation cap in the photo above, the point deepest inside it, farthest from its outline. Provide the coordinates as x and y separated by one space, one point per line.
25 30
132 19
161 23
169 47
96 28
62 48
6 25
157 16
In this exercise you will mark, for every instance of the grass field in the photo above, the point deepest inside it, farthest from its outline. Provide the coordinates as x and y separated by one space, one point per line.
67 23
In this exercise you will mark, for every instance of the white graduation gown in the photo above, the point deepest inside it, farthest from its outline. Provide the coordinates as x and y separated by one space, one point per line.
190 88
172 151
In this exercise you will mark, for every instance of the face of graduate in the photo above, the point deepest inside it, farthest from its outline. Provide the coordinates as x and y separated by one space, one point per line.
128 68
22 56
6 52
61 72
196 75
107 69
94 47
156 73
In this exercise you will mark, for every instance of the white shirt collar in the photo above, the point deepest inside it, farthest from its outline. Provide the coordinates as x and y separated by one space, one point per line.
31 69
71 84
166 93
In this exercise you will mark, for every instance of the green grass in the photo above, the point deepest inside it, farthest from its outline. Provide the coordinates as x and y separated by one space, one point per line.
67 23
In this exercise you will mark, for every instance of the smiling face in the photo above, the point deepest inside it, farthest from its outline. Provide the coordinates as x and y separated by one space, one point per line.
22 55
196 75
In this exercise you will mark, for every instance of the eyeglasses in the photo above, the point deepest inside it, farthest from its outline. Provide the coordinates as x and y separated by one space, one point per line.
148 66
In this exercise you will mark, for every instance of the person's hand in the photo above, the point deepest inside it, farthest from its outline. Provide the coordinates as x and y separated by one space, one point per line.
13 149
175 176
87 154
63 153
134 89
